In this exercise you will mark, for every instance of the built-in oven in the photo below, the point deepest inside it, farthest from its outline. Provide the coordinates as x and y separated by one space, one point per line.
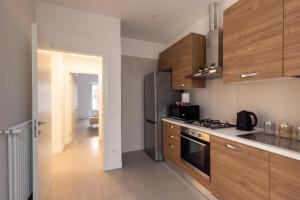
195 151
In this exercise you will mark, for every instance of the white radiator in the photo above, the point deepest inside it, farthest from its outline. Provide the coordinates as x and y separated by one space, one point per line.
20 161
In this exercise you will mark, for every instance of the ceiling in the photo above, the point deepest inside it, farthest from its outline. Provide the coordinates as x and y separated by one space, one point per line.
149 20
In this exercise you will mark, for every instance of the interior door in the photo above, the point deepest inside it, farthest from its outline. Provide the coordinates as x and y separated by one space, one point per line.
41 113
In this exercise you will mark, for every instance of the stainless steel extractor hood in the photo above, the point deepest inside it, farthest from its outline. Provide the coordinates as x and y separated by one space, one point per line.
214 49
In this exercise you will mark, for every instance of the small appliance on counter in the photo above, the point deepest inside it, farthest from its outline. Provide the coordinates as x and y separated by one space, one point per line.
246 121
185 112
185 98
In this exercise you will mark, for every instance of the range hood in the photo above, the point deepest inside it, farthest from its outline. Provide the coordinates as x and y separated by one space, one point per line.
214 49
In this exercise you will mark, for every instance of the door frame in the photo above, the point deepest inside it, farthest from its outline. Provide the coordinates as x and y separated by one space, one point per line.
104 125
104 130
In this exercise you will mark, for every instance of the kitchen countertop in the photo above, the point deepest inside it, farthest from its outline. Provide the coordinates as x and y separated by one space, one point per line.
232 134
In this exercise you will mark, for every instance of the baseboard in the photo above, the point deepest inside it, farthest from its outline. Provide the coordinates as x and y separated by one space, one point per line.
112 166
133 149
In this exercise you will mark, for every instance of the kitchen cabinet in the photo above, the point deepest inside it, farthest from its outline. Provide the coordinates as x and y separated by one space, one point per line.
284 178
292 38
167 59
184 58
171 142
238 172
253 40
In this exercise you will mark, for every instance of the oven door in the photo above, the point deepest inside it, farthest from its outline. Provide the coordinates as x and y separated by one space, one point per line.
196 154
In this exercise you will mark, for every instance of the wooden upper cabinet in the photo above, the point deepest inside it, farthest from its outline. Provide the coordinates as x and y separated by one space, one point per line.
253 40
166 60
184 58
238 172
284 178
292 38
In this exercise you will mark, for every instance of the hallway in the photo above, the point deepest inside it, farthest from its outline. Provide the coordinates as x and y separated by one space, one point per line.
77 175
76 171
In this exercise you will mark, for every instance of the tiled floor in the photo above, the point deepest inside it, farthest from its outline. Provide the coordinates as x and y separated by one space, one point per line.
77 175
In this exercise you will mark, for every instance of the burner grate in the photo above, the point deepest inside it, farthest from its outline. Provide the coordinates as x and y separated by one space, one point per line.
212 124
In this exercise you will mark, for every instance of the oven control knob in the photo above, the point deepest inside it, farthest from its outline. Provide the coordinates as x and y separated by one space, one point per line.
199 135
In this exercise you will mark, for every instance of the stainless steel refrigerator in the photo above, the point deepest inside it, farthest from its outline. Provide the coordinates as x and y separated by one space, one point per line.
158 95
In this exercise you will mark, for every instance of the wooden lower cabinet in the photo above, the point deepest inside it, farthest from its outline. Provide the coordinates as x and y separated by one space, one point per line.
238 172
284 178
171 142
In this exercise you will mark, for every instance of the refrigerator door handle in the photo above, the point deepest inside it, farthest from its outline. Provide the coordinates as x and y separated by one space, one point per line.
150 121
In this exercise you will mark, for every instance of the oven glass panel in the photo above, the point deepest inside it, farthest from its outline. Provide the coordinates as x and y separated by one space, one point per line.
196 154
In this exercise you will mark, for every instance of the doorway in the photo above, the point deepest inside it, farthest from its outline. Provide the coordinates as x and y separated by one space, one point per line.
76 120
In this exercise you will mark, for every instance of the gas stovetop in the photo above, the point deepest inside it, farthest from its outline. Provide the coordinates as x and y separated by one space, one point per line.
209 123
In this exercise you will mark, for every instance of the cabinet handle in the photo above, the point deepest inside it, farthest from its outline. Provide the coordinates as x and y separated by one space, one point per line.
180 85
238 149
171 126
171 146
247 75
171 136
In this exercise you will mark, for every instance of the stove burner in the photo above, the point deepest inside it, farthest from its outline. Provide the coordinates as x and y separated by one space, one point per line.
212 124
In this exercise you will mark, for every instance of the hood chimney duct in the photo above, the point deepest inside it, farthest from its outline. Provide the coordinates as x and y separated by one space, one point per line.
213 16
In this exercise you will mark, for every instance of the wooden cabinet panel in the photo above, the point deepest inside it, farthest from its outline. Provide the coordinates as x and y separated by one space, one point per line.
190 53
238 172
284 178
171 142
184 58
253 40
292 38
167 59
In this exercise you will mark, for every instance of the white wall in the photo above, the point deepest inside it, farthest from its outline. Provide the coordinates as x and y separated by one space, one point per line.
141 49
84 94
277 99
133 72
16 17
58 102
75 30
202 25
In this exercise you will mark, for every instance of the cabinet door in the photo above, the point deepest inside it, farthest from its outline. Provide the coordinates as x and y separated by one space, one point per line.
190 53
179 80
284 178
292 38
238 172
167 60
253 40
